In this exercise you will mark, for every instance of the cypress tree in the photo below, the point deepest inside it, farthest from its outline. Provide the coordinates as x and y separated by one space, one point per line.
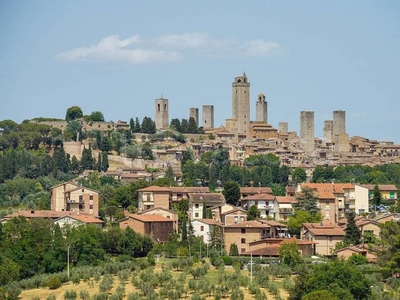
353 234
204 210
104 163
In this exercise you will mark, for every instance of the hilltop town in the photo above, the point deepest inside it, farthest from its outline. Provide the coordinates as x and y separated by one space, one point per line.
241 189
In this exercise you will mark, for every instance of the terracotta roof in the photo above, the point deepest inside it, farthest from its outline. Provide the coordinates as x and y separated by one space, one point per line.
270 250
382 187
156 208
255 190
326 195
285 199
69 182
154 188
233 210
85 218
150 218
324 229
336 188
208 221
272 223
290 189
247 224
44 214
265 197
81 188
207 197
189 189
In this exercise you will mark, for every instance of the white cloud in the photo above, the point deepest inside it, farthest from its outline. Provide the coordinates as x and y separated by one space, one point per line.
111 48
169 48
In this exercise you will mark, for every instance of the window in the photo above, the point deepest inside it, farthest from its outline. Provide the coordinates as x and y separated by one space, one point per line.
148 197
201 228
91 206
90 197
196 215
196 205
327 202
243 250
243 240
80 198
83 190
243 230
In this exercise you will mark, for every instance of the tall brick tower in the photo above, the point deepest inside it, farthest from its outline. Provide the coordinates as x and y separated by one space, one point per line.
261 109
307 130
241 104
161 113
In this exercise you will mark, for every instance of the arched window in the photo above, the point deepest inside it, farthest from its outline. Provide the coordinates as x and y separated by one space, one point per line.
158 106
165 107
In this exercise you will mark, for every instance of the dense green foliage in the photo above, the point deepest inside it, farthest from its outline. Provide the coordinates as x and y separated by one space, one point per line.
38 246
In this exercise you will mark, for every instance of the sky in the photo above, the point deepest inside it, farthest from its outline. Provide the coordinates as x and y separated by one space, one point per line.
117 57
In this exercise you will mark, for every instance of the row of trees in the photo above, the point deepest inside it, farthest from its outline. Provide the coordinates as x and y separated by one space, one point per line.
186 126
35 246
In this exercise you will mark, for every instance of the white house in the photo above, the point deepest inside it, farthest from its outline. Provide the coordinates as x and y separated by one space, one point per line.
197 200
264 203
203 228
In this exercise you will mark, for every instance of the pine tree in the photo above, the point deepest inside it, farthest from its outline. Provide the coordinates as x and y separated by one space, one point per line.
98 163
253 213
353 234
138 129
104 161
233 250
376 196
192 126
307 201
169 173
132 125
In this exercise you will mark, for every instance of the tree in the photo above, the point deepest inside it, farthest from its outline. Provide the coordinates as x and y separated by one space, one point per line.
215 239
289 254
104 161
296 222
204 210
233 250
148 126
389 250
192 126
353 233
176 124
253 213
73 113
170 173
231 192
106 144
138 129
376 196
340 278
298 175
74 127
96 116
307 201
184 126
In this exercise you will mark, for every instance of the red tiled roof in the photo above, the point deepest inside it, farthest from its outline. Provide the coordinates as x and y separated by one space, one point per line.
284 199
207 197
189 189
44 214
154 188
255 190
150 218
247 224
261 197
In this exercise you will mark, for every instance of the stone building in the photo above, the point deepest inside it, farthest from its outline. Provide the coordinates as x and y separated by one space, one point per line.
328 130
161 113
307 130
70 196
261 109
208 116
194 113
283 127
339 135
240 121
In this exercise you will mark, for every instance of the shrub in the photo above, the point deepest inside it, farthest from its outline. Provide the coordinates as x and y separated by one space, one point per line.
227 260
54 283
84 295
70 295
52 296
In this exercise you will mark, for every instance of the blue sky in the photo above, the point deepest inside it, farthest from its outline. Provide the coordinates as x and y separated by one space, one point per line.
118 56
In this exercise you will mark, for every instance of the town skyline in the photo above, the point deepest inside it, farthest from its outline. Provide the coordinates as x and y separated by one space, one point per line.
308 56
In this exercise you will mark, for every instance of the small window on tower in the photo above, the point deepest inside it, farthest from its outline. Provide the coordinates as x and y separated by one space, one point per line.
165 107
158 106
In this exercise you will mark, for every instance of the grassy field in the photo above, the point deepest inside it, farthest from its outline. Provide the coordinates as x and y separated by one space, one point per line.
93 287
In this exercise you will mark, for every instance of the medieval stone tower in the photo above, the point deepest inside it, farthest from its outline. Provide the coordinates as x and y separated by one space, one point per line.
208 116
339 122
339 135
328 130
283 127
161 113
307 130
194 113
241 104
261 109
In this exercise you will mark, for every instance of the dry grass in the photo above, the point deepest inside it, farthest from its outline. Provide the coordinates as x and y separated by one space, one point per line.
212 275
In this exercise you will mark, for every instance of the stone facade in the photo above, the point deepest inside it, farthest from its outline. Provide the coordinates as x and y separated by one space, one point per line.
194 113
161 113
208 116
328 130
339 122
283 127
241 105
307 130
261 109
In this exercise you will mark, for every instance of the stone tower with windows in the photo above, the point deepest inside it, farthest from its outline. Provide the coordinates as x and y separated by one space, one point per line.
161 113
208 116
261 109
240 121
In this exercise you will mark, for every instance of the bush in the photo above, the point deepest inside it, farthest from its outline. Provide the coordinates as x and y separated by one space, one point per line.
227 260
52 296
70 295
54 283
